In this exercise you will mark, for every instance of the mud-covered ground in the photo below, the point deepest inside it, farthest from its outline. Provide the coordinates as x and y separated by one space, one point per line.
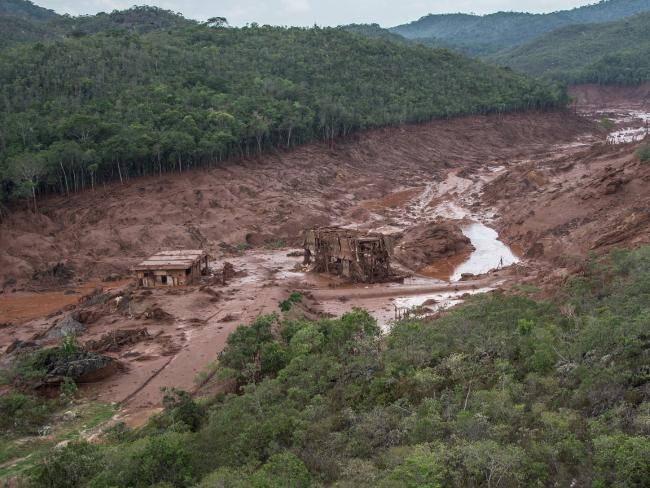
527 193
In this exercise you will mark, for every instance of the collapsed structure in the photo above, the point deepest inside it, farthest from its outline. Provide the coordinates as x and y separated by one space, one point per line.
358 256
172 268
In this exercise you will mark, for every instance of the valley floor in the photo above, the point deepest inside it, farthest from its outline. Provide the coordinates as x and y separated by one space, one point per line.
551 184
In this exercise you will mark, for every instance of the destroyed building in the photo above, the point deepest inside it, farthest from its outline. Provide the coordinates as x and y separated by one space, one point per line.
172 268
358 256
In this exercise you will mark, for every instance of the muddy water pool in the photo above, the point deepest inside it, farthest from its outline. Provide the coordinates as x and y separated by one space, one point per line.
490 253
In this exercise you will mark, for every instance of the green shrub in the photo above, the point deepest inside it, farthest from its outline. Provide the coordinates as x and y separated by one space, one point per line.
622 460
286 305
607 124
156 459
243 247
118 432
181 412
282 471
644 153
68 389
226 478
67 467
23 413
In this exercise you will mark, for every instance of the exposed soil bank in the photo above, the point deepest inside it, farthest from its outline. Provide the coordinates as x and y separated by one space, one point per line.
590 96
589 196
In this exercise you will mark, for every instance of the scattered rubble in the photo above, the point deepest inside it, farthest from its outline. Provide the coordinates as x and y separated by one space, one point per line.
157 313
116 339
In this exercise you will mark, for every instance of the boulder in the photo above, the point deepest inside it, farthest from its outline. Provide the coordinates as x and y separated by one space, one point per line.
64 327
82 366
427 243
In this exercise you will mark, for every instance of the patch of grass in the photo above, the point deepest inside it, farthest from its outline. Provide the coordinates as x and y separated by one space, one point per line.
24 413
243 247
19 454
527 289
607 124
279 244
203 376
644 153
286 305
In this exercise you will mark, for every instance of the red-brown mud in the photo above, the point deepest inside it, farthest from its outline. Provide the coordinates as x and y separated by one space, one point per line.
546 181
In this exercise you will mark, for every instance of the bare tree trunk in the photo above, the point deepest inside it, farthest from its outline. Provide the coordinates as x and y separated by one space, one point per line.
65 177
34 197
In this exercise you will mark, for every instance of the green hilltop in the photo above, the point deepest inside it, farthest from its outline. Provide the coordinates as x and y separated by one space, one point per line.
614 52
488 34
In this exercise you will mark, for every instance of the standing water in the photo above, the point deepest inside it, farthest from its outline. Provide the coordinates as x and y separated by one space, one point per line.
490 253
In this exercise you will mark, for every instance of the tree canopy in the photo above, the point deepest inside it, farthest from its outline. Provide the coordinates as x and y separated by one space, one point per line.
123 103
610 53
488 34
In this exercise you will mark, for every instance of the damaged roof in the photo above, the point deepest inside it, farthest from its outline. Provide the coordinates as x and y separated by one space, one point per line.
181 259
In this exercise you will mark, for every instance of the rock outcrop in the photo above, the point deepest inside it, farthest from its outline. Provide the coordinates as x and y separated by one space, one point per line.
430 242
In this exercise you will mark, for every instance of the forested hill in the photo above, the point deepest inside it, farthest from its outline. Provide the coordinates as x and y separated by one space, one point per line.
616 52
484 35
26 10
375 31
84 110
22 21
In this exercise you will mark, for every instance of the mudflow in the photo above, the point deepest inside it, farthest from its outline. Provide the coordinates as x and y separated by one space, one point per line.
474 204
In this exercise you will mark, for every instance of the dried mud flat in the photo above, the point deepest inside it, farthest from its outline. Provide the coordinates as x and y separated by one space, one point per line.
547 182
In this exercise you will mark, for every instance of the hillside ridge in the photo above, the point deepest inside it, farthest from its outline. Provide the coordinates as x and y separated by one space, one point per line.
487 34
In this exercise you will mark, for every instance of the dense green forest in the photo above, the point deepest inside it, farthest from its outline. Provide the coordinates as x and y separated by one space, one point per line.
489 34
375 31
616 52
504 391
86 109
25 9
576 46
22 21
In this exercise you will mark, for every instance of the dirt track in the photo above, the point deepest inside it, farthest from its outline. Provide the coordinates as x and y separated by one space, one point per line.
545 181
